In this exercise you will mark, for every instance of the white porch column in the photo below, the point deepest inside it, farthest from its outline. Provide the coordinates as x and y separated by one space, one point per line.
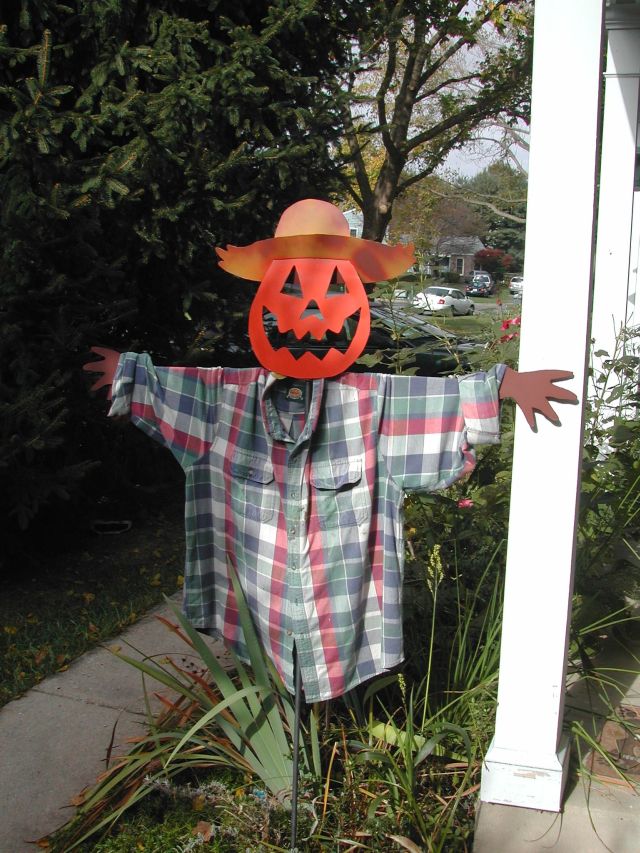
614 285
527 760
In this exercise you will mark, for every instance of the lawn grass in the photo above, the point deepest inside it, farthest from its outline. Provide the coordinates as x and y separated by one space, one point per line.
482 324
78 599
211 813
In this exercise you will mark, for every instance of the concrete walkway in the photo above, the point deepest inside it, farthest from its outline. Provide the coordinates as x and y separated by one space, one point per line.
54 739
597 816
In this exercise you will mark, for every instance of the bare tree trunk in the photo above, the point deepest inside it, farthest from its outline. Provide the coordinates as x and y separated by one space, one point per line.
378 209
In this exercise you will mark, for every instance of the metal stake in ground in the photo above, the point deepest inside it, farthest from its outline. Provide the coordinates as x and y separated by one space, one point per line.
296 751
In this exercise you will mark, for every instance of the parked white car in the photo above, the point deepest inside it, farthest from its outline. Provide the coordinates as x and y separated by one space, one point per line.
444 300
515 285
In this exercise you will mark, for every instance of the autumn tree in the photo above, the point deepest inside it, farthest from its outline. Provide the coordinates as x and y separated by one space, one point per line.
494 261
499 194
424 74
429 212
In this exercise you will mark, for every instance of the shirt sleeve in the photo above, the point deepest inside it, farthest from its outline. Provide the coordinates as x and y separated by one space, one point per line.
177 406
429 426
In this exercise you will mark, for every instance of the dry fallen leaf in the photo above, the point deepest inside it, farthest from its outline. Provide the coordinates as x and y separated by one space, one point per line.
198 803
205 829
406 843
78 800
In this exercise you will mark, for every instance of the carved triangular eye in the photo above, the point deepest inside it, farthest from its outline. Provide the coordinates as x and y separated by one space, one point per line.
292 286
336 285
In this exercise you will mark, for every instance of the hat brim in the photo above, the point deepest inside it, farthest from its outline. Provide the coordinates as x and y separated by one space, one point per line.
373 261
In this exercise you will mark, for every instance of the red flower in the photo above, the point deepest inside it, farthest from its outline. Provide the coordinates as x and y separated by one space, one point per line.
515 321
465 503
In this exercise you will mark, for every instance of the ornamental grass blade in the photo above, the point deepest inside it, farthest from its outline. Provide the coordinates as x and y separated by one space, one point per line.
222 680
210 716
259 715
314 737
261 673
445 729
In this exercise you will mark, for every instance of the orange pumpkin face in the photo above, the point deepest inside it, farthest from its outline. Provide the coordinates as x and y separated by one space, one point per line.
310 299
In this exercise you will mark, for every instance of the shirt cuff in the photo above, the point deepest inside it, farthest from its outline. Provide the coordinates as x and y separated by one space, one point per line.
479 394
123 385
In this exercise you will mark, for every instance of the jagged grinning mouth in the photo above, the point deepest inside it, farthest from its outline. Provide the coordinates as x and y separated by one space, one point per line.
299 346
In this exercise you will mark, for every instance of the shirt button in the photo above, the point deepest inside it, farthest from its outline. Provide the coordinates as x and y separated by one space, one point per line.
292 531
294 495
289 633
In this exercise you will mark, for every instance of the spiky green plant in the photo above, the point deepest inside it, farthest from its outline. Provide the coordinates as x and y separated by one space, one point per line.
239 724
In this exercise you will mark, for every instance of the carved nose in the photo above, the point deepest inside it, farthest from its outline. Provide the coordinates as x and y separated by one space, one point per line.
312 309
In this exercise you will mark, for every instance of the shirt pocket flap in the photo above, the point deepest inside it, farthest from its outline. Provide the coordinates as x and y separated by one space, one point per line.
336 475
249 466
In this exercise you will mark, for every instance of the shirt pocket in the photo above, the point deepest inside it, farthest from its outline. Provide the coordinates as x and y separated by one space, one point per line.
340 496
253 494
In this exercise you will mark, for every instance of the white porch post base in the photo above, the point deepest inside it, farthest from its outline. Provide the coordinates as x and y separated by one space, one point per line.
530 780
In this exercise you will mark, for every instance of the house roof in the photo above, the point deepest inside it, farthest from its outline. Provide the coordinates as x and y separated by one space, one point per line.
459 245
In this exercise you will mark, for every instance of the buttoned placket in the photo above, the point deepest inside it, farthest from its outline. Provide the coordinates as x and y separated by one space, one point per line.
295 505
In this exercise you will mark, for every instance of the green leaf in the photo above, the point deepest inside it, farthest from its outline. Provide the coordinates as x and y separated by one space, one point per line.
117 186
43 143
44 58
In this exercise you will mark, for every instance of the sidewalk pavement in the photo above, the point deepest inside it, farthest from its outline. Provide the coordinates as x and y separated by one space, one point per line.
597 816
54 739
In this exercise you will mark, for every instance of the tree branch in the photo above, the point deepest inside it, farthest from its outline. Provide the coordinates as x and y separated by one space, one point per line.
521 220
451 81
479 22
475 110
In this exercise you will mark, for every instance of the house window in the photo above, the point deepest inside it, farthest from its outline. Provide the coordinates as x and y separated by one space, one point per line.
459 265
353 232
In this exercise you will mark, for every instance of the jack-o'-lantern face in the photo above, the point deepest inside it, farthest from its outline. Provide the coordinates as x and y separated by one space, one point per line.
314 302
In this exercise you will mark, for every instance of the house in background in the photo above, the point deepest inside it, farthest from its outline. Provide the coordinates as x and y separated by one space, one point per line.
457 254
355 219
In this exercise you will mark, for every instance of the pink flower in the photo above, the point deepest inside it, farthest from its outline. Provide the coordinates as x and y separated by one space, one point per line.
465 503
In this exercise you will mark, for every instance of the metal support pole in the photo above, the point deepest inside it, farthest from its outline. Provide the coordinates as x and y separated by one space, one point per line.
296 751
297 703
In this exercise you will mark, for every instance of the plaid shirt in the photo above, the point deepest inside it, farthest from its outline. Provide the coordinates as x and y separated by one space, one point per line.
307 508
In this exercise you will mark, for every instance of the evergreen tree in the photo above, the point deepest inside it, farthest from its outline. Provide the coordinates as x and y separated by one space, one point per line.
134 137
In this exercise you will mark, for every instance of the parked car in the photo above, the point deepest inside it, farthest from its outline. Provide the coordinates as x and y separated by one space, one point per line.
479 287
436 351
444 300
402 296
481 284
516 284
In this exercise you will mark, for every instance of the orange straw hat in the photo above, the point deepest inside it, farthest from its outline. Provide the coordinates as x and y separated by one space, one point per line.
316 229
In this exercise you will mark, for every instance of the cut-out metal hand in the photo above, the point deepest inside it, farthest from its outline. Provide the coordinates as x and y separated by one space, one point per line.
106 366
532 391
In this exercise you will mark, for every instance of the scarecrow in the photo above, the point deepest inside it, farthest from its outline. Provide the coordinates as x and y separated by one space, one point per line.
296 470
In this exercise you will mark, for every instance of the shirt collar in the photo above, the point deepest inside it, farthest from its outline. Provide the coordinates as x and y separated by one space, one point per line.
271 419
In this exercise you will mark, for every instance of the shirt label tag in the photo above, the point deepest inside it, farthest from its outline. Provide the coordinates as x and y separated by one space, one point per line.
295 393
